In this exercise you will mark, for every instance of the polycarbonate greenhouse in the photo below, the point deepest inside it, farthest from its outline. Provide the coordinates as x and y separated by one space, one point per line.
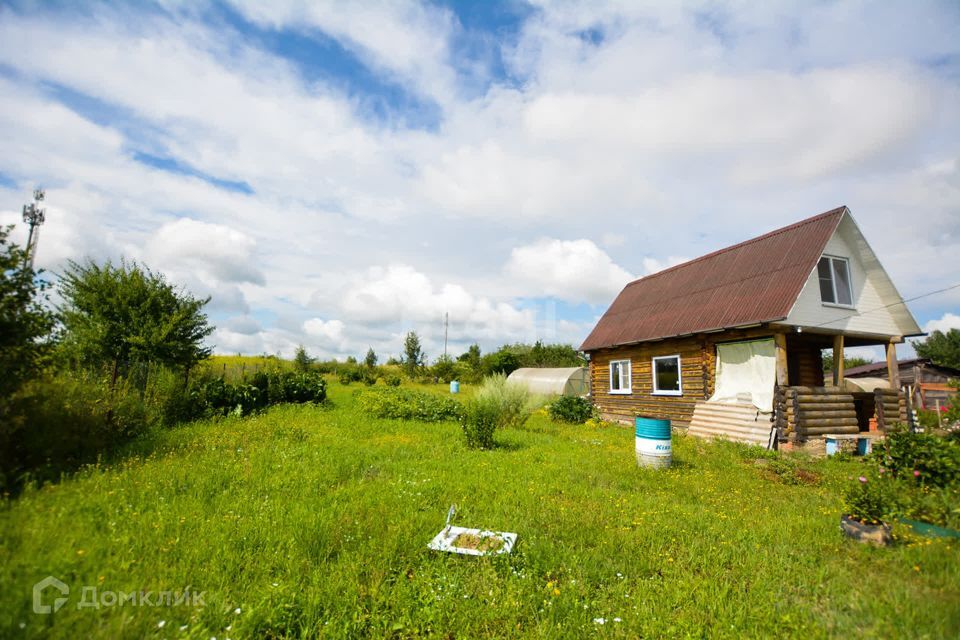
567 381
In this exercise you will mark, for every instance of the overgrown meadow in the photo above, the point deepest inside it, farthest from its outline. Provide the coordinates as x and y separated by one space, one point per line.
313 521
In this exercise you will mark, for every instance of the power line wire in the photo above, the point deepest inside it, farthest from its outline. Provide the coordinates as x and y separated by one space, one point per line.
887 306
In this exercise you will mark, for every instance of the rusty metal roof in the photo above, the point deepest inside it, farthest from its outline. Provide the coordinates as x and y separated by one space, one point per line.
881 367
752 282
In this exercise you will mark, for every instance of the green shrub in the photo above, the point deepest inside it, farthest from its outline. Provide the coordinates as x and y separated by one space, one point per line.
513 401
64 421
213 397
571 409
296 387
176 399
497 404
928 419
932 460
871 501
407 404
479 422
936 505
391 380
467 373
444 369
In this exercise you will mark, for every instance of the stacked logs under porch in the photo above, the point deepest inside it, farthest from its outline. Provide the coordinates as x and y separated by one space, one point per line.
803 413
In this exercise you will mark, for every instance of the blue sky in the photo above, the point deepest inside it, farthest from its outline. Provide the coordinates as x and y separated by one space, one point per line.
335 174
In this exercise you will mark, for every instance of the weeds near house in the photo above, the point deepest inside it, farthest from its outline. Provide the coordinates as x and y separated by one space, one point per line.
572 409
870 500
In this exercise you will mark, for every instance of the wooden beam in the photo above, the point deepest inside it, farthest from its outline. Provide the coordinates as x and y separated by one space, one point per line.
837 360
780 345
893 371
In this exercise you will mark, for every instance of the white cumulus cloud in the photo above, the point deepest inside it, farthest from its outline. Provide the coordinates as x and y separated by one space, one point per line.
214 251
945 323
572 270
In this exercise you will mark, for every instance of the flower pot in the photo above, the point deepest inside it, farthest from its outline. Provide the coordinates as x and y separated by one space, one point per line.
878 534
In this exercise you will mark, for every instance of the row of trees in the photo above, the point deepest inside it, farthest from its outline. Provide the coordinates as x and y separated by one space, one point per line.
470 366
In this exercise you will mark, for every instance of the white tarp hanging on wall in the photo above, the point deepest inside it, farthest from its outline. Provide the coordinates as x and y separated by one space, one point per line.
746 367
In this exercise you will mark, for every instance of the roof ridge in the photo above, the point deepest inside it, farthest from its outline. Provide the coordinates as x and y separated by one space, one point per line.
769 234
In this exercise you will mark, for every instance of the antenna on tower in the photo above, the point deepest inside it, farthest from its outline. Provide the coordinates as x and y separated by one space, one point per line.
34 216
446 328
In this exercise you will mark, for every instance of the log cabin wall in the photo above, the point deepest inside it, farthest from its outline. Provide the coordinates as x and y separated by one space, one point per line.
698 365
817 411
890 408
641 401
804 359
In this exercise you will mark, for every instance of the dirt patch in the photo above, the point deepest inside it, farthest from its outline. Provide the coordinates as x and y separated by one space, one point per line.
790 475
805 476
478 543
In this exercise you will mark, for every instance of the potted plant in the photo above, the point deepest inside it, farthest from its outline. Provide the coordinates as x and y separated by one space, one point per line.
868 503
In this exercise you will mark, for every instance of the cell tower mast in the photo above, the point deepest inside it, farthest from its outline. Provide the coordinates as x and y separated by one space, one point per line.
446 329
34 216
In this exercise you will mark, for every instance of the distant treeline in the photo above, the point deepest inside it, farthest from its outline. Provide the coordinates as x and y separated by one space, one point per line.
470 366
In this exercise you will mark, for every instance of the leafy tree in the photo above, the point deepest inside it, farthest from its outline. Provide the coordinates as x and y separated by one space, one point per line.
942 348
848 363
120 315
25 324
502 361
471 356
393 361
510 357
412 353
549 355
371 358
444 368
302 361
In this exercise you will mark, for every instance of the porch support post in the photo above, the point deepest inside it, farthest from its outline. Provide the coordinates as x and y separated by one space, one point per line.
893 371
837 360
780 344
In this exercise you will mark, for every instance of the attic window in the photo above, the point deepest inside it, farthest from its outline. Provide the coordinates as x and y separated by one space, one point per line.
834 274
620 376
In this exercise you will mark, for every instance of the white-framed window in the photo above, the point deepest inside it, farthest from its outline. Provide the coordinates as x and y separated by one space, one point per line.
834 275
620 376
666 376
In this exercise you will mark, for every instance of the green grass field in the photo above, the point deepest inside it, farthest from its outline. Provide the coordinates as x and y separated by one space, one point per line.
313 522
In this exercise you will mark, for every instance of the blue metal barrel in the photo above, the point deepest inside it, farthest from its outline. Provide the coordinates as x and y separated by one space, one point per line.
654 446
454 386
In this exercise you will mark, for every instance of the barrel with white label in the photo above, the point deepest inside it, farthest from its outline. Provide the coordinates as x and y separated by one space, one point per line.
654 448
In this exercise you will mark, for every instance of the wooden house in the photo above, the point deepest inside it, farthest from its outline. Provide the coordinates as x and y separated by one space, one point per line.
925 383
729 344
